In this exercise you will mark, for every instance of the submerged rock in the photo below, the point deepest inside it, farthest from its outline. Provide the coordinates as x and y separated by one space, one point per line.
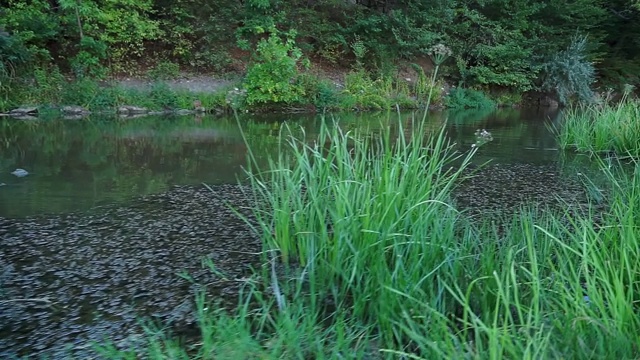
184 112
20 172
74 110
132 110
24 111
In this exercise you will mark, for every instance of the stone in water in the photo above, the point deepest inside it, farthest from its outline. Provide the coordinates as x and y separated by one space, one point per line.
20 172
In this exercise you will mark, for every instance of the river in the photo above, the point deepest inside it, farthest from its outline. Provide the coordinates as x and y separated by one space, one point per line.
112 222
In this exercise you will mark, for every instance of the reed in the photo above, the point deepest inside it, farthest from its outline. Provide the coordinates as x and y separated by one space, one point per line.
603 129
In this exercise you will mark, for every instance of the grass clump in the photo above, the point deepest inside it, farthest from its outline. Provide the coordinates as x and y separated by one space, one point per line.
371 225
603 129
462 98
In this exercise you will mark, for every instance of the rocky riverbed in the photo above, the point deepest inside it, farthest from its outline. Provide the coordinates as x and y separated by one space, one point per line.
499 189
76 278
67 280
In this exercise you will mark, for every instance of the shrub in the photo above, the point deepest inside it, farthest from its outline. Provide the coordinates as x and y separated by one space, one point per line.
362 92
461 98
13 54
569 73
272 76
321 93
87 62
82 92
425 86
48 84
163 96
164 70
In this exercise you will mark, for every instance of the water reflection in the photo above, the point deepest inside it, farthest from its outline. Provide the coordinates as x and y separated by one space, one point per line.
76 165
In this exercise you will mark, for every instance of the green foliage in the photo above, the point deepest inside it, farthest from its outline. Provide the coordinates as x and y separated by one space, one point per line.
603 129
322 93
424 86
88 60
217 59
48 84
461 98
412 33
163 96
164 70
120 25
359 50
326 96
81 92
198 34
272 77
569 73
497 43
87 32
30 26
13 54
362 92
507 98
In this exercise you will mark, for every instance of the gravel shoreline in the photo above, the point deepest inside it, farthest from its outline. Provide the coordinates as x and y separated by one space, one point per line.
118 263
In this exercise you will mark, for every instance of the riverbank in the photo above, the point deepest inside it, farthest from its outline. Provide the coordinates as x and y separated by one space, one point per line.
124 242
51 94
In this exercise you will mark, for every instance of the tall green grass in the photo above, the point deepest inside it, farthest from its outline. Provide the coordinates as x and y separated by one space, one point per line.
360 213
371 226
603 129
378 263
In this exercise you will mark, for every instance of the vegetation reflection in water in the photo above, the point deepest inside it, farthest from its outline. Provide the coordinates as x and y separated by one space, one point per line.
76 165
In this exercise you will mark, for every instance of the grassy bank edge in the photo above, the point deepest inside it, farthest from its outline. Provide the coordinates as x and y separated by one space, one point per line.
609 129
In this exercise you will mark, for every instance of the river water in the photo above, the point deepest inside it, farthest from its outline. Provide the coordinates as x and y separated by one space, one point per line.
112 223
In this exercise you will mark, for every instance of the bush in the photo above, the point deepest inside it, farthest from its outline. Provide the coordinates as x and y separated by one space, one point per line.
460 98
88 60
272 76
48 84
362 92
319 92
424 87
569 73
81 92
164 70
163 96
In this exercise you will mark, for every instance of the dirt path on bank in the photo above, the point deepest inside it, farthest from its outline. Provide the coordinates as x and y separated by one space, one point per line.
193 83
